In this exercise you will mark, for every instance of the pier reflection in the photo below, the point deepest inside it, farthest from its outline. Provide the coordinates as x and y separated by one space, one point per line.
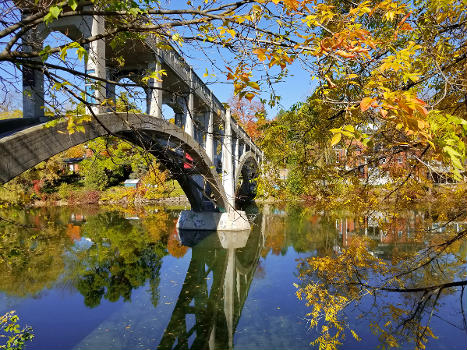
216 286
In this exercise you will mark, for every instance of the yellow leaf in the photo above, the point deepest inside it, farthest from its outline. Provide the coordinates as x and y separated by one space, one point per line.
336 139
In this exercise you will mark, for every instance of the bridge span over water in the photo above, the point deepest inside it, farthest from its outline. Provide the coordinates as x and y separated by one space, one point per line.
223 159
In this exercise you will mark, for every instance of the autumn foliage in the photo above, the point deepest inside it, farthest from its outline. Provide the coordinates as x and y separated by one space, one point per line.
249 114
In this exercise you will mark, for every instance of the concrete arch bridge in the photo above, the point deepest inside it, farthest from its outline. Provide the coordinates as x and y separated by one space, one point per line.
223 160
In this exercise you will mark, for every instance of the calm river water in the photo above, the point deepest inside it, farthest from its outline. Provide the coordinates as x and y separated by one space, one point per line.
95 278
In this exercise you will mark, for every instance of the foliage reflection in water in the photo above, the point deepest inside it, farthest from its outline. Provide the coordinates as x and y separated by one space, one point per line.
87 278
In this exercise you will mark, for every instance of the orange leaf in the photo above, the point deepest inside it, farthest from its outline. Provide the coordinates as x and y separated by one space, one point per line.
423 103
260 53
406 27
366 103
249 96
422 110
345 54
404 19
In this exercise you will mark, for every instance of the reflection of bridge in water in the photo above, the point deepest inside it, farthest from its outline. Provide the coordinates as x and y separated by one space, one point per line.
215 289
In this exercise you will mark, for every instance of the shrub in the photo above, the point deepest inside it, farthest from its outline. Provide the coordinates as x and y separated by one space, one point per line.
65 190
89 197
12 195
117 194
96 177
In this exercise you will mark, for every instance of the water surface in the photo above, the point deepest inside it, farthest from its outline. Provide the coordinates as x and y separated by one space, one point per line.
95 278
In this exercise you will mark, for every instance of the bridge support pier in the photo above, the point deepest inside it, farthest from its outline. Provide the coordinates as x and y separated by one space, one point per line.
227 162
209 146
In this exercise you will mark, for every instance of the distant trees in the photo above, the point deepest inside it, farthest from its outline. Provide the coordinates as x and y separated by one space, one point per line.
250 114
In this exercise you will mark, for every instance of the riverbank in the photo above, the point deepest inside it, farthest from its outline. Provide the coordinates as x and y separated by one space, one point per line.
75 195
123 202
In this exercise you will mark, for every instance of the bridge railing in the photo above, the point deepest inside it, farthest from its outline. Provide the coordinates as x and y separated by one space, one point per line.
178 64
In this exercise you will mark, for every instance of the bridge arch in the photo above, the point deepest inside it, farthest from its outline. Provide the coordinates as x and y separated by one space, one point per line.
247 168
169 143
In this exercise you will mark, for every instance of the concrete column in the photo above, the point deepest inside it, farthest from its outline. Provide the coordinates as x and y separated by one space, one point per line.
236 155
110 93
179 119
33 80
210 135
154 93
189 110
227 162
95 66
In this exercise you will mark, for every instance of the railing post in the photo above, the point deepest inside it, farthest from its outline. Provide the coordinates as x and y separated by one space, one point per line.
227 166
95 66
154 94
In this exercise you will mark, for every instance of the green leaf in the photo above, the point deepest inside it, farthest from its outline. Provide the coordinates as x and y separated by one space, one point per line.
63 53
45 53
451 151
55 11
73 4
82 53
134 11
254 85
